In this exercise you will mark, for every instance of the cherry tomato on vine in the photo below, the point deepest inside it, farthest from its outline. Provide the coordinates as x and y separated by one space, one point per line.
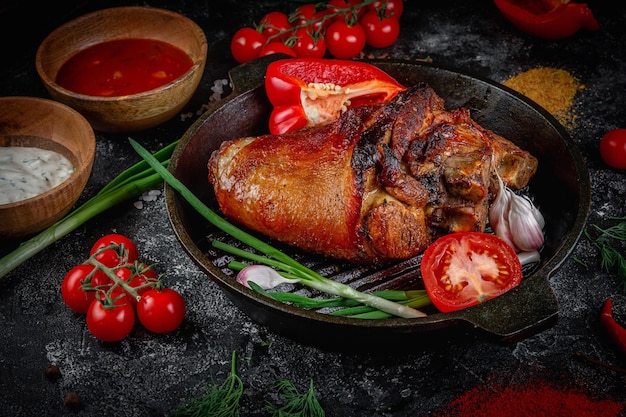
147 274
345 41
380 32
308 14
613 148
321 24
336 5
393 8
123 273
276 47
161 311
111 257
308 45
303 14
467 268
113 293
110 323
74 296
135 280
246 44
273 23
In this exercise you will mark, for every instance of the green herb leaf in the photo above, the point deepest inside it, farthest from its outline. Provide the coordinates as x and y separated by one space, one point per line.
296 404
610 243
219 401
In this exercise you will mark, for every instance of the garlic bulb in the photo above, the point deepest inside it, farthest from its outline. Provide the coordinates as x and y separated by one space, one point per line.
516 220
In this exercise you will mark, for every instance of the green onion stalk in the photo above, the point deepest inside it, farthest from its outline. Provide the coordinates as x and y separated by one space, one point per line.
131 183
274 257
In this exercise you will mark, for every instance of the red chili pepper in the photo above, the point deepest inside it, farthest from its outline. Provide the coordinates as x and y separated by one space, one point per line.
616 332
549 19
312 91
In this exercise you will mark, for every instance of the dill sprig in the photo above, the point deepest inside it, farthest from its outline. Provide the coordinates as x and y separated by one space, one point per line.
297 404
223 400
219 400
610 243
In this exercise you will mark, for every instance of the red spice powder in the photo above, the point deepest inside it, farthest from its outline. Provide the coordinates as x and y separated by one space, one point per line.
535 398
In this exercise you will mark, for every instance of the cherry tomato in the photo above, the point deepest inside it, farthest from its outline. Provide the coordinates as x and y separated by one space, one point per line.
308 45
393 8
467 268
308 14
142 278
246 44
303 14
380 32
321 24
146 275
613 148
111 257
74 296
110 323
275 47
114 293
273 23
345 41
161 311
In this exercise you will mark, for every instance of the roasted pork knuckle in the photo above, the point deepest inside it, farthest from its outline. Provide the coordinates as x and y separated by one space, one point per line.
378 184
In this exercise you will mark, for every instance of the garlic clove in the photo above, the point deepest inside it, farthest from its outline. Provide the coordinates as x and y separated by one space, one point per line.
498 215
516 220
524 225
264 276
538 216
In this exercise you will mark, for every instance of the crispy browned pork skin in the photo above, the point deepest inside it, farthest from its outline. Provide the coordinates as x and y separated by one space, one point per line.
380 183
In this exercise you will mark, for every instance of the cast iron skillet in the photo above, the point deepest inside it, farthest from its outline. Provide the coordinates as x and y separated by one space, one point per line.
561 190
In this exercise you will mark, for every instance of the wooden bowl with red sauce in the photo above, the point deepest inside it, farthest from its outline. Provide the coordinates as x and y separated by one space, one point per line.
80 66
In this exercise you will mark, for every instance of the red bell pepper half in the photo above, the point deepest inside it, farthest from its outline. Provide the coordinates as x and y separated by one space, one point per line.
614 330
312 91
548 19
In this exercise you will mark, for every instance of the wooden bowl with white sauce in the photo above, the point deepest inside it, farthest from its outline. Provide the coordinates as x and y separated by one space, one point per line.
47 151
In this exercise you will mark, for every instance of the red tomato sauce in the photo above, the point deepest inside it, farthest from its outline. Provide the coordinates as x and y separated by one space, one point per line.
123 66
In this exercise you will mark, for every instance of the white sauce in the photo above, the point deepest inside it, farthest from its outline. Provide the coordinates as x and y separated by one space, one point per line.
26 172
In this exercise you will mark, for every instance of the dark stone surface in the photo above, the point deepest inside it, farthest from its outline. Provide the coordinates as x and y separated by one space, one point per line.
148 375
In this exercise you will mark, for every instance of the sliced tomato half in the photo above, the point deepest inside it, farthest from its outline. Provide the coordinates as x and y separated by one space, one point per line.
467 268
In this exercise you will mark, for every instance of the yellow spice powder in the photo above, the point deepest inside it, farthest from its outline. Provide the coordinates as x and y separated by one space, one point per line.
552 88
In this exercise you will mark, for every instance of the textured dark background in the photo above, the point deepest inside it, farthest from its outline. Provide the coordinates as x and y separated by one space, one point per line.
147 375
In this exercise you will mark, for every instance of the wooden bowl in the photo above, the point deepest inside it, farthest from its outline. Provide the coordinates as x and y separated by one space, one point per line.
136 111
47 124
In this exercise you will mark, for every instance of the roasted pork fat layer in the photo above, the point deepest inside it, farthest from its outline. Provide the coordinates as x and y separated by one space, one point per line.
380 183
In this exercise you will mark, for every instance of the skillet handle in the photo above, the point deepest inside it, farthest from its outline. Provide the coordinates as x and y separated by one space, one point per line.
529 308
